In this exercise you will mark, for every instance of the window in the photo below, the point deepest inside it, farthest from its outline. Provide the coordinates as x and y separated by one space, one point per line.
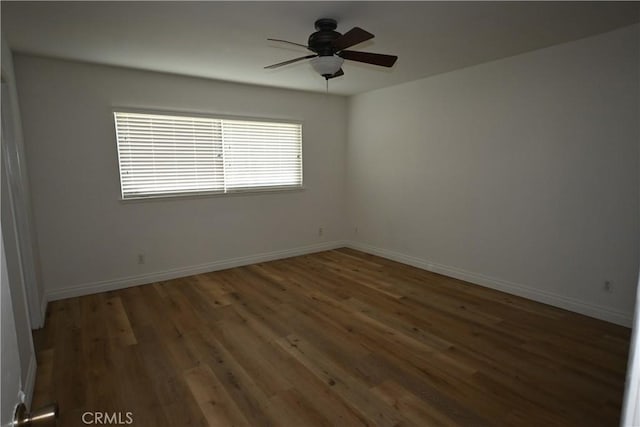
164 155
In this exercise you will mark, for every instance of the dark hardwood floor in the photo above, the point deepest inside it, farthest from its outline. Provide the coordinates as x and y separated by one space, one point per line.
337 338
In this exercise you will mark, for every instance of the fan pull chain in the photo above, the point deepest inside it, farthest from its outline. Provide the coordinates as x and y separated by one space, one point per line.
327 82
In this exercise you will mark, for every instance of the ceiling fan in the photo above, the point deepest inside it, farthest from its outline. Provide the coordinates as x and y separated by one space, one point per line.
329 49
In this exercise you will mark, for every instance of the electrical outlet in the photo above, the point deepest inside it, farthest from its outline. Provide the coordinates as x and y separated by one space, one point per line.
141 259
608 286
320 231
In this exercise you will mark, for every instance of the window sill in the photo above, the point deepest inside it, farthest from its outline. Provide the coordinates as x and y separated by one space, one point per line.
235 193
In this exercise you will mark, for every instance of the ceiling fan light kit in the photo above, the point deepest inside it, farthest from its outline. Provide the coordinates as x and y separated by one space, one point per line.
328 47
327 66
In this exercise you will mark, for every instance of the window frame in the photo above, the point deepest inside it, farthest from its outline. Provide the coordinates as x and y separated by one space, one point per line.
206 194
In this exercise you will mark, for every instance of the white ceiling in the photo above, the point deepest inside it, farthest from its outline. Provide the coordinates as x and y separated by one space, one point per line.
227 40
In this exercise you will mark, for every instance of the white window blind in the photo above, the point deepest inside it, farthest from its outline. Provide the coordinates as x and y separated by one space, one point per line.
169 155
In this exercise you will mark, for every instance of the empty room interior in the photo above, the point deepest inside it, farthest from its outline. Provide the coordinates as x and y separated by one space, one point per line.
320 213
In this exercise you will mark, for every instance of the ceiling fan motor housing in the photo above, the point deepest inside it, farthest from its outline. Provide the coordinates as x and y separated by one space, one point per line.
321 41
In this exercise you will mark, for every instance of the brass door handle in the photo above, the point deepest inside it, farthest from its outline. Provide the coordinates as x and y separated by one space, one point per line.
42 417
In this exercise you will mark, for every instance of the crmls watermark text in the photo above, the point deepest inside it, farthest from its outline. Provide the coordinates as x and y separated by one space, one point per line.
107 418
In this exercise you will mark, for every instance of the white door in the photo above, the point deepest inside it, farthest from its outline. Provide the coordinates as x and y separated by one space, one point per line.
631 403
15 194
17 355
11 387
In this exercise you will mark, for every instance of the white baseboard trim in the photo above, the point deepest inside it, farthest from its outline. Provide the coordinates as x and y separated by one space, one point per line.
43 312
30 381
592 310
125 282
556 300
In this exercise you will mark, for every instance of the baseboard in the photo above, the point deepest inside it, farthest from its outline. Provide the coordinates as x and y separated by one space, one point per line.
125 282
30 381
572 304
43 312
592 310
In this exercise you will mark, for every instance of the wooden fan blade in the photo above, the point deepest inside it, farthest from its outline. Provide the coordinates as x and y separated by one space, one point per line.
369 58
287 41
351 38
291 61
337 74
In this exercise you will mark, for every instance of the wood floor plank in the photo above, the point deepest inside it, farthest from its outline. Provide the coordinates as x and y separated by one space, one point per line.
315 390
216 404
245 393
119 328
295 410
417 410
353 392
236 339
337 338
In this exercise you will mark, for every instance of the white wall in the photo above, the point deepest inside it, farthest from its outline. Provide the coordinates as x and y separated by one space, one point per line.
520 174
89 239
